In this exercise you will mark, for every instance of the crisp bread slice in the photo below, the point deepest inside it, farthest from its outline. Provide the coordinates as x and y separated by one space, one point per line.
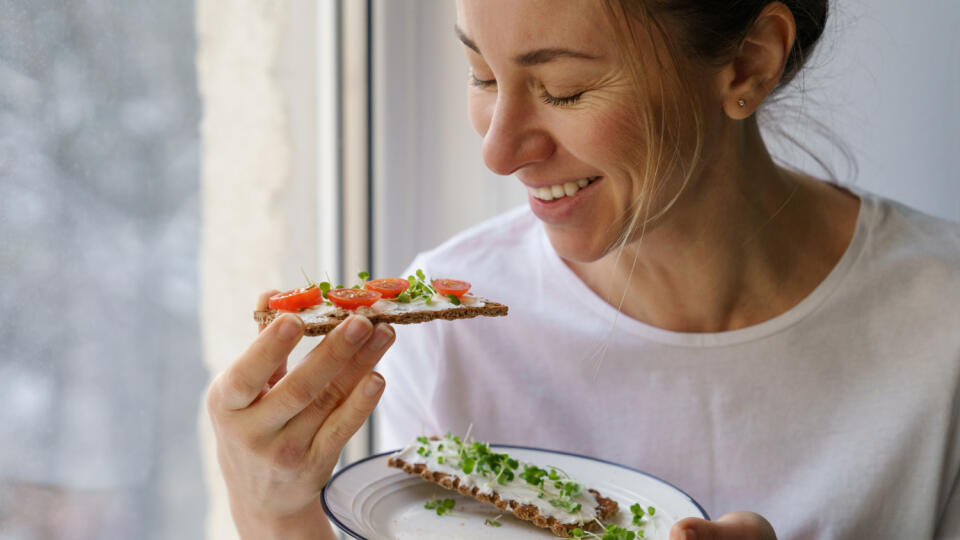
606 508
335 317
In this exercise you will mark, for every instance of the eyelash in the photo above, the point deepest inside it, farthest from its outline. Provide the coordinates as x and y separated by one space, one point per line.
545 96
560 101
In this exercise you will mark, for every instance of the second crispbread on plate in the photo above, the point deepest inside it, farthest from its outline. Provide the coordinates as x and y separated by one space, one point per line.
546 497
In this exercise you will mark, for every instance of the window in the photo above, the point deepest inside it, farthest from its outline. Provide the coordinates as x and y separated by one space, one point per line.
101 217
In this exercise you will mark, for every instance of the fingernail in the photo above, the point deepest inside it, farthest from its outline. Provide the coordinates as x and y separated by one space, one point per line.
382 335
290 327
374 385
690 534
357 329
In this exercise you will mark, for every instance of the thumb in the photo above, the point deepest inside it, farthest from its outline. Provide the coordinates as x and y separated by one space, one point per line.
732 526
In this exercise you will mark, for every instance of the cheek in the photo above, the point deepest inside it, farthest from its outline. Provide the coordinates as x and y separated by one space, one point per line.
606 139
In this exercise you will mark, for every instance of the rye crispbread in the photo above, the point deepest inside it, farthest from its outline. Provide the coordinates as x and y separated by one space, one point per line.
606 508
489 309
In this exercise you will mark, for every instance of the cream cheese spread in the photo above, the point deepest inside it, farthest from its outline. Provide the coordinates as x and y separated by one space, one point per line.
325 312
444 456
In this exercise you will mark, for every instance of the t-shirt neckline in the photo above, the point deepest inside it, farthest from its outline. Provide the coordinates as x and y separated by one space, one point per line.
596 304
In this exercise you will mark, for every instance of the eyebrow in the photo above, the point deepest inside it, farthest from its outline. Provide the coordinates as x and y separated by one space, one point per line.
532 58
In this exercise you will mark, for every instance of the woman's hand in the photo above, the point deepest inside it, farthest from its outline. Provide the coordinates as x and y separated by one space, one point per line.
732 526
280 434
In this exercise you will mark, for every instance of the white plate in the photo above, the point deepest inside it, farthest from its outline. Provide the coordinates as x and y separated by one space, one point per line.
370 500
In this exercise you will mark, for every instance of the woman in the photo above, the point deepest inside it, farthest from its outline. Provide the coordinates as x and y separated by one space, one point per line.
678 302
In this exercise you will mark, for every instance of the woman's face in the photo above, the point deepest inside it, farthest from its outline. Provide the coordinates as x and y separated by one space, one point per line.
555 107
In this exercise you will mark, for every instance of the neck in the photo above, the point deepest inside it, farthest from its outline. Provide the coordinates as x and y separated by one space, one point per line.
745 242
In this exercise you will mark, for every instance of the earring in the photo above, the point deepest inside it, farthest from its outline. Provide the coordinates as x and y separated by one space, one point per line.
741 102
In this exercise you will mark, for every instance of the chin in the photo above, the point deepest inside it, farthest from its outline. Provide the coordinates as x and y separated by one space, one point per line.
578 246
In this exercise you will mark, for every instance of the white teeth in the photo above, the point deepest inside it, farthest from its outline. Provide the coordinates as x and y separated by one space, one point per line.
557 191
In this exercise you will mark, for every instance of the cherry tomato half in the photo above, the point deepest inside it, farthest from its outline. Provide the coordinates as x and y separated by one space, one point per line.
451 286
352 298
388 287
296 299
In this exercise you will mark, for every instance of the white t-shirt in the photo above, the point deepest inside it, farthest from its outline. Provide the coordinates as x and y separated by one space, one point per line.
836 419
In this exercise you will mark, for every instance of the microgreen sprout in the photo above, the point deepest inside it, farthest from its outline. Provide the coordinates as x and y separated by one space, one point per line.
533 474
493 522
420 289
611 532
310 282
442 506
453 299
614 532
324 285
425 449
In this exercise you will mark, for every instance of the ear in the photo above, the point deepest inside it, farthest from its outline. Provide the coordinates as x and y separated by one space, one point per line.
758 66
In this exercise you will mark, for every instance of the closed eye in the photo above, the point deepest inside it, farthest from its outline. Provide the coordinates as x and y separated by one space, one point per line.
481 83
560 101
556 101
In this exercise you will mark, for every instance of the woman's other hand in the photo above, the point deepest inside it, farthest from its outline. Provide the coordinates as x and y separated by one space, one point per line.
280 434
732 526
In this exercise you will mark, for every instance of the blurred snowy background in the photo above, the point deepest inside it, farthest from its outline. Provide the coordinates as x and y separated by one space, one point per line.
100 372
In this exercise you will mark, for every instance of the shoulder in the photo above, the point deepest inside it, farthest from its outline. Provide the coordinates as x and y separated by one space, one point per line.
910 240
908 264
897 221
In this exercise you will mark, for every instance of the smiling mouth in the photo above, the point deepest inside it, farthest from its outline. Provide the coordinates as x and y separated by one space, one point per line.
559 191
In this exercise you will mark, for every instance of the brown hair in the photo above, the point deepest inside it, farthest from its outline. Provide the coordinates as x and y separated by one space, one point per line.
713 31
693 33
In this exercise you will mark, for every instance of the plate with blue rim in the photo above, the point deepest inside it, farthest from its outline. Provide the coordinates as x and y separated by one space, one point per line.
370 500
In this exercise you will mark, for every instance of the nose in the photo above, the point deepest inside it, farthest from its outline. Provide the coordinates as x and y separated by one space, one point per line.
513 139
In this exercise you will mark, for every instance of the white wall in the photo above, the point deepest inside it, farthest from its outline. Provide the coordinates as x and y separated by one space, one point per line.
886 79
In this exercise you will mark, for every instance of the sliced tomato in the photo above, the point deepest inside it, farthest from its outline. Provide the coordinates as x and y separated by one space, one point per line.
451 286
388 287
352 298
296 299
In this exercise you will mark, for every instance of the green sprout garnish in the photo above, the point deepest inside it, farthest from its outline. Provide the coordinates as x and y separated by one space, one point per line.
420 289
533 474
453 299
442 507
310 282
324 287
493 522
614 532
364 276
